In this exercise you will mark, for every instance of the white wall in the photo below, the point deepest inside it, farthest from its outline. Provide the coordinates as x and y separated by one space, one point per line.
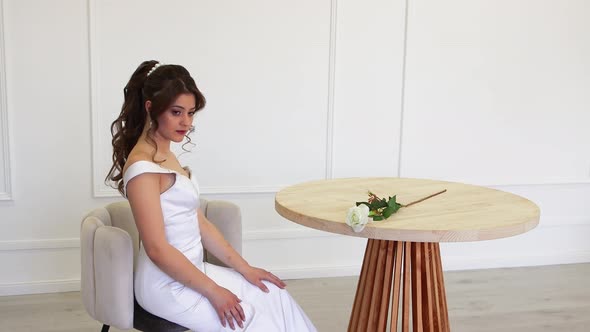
486 92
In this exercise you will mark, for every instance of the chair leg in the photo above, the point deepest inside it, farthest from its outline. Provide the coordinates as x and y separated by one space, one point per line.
105 328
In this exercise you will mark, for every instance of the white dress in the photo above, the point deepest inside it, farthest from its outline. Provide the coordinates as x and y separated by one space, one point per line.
161 295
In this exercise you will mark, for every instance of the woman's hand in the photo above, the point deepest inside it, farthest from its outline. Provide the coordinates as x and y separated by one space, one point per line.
228 308
255 276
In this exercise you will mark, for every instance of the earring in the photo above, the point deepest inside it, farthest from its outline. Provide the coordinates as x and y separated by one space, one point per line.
191 130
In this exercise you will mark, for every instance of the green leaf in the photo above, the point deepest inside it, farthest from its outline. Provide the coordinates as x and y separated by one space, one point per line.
392 207
388 212
392 201
377 204
380 209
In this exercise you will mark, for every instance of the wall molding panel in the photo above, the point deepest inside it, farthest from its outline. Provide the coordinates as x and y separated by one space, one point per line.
107 193
248 236
94 74
540 182
270 234
5 156
368 83
98 114
403 93
477 110
331 90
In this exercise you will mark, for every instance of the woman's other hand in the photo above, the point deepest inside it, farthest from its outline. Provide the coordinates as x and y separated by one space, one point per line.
228 308
255 276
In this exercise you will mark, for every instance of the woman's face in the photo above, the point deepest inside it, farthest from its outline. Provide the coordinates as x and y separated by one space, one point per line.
177 120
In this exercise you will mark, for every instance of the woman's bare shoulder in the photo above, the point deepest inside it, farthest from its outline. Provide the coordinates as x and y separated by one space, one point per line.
135 156
136 173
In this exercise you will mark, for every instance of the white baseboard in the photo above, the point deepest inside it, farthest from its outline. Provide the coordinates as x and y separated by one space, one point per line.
324 271
320 271
40 244
450 263
453 263
39 287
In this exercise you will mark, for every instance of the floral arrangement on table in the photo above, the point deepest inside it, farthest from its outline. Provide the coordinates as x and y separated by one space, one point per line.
376 209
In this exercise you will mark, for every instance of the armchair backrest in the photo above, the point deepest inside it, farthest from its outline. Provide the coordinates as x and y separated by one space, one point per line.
119 215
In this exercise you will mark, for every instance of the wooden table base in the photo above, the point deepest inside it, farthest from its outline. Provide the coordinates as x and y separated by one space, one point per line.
394 271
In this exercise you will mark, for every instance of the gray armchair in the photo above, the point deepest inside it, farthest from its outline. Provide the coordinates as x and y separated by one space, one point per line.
109 247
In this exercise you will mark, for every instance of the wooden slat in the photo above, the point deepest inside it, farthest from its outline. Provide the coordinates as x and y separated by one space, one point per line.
427 289
397 276
377 287
386 288
417 286
368 287
442 294
356 309
407 286
437 310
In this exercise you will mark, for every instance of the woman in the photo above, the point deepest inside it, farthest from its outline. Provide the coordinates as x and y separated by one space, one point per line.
171 279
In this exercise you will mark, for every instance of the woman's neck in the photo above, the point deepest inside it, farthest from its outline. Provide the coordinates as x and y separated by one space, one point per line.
163 145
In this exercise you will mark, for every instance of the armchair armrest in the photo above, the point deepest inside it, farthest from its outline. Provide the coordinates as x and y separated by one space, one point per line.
107 273
227 217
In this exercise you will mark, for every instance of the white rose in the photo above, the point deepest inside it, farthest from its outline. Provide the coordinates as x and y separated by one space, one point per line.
358 217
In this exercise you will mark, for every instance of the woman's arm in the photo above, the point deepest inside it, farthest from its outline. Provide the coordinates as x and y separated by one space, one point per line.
143 193
216 244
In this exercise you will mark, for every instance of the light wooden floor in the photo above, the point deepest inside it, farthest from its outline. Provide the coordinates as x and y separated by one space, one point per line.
549 298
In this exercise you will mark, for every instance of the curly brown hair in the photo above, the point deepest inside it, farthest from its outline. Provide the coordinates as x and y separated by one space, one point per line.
162 86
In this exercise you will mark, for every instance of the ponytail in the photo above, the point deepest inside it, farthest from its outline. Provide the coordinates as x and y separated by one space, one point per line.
128 126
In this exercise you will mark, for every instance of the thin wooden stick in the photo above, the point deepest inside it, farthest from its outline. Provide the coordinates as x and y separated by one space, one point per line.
437 309
425 198
407 286
397 278
417 305
427 282
442 293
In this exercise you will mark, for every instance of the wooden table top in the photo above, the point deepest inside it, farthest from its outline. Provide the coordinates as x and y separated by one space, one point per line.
463 213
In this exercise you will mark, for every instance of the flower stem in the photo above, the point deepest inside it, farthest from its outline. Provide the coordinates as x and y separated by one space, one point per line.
425 198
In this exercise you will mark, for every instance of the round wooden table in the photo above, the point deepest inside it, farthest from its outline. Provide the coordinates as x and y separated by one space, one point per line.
402 269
